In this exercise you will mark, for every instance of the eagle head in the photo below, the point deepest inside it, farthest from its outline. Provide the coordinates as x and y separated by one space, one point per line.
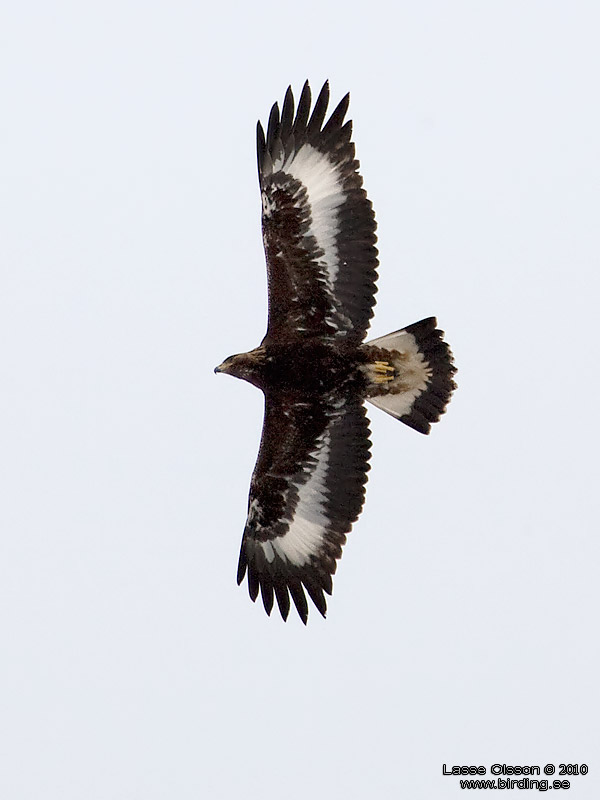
247 366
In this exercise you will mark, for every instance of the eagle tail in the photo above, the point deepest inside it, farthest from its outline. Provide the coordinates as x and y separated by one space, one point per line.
411 374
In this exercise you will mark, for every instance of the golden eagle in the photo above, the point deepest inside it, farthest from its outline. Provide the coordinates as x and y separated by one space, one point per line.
308 485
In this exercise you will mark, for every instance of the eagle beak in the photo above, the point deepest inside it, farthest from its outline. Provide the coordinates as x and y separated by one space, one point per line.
218 369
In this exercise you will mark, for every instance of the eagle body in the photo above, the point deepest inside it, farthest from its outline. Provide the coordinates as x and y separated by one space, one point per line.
310 366
313 366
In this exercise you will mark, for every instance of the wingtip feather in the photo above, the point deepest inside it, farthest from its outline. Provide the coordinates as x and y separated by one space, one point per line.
299 599
320 109
273 127
260 147
287 115
283 600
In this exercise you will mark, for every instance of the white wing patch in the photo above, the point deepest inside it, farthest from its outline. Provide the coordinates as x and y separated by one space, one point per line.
307 528
323 184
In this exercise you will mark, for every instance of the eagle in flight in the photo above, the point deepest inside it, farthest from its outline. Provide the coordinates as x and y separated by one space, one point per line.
308 485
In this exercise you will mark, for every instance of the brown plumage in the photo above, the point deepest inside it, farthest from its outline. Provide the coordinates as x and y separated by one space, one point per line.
308 484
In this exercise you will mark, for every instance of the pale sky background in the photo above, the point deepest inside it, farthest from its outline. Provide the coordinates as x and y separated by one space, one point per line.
463 627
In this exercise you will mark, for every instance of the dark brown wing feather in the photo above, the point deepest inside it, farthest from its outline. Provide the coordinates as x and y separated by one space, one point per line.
307 489
318 224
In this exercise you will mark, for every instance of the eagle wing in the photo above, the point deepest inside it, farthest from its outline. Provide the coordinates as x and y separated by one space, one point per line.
307 489
318 224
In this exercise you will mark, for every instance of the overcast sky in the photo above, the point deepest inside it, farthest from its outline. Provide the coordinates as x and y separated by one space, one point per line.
463 628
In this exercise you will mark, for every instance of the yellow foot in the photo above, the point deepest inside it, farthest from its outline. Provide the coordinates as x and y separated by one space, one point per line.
384 372
383 366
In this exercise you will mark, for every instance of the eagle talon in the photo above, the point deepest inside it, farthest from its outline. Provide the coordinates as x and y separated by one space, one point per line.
384 372
383 366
